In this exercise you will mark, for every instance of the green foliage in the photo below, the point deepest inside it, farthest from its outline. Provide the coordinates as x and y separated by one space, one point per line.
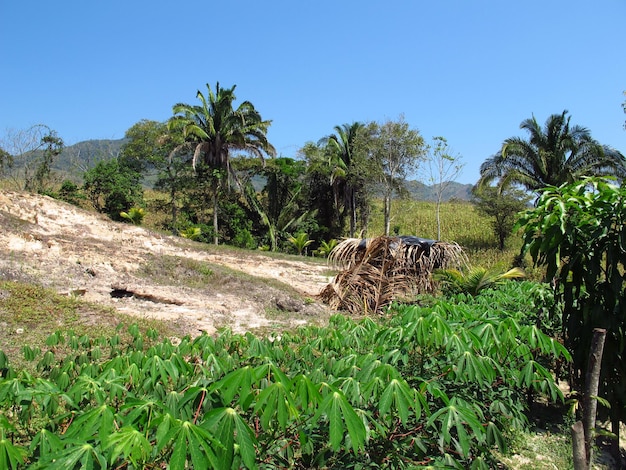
578 231
300 241
502 207
192 233
441 385
473 280
112 188
135 215
70 192
326 247
555 154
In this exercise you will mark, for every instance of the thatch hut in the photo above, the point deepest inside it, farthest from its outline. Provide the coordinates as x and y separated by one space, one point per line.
376 271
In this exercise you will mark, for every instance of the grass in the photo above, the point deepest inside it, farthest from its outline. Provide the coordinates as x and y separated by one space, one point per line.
29 314
460 223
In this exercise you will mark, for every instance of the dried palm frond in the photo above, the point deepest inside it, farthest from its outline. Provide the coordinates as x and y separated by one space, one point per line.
378 270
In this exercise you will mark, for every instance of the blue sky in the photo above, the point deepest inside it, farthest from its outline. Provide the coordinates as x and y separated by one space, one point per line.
469 71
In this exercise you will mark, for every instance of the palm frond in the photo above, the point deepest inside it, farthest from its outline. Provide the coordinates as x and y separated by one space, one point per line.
379 270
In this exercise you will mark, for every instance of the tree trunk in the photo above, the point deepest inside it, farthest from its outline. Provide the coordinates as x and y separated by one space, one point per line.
215 226
438 216
352 214
592 380
578 446
387 212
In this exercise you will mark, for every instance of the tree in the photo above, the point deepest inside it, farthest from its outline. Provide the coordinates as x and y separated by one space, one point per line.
317 191
397 151
144 149
503 207
443 168
577 231
150 148
6 161
113 188
551 156
214 129
27 156
347 170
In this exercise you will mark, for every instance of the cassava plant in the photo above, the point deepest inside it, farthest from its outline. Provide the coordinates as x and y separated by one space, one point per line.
431 386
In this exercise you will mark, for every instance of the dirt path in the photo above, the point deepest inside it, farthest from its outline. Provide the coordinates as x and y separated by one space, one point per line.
75 251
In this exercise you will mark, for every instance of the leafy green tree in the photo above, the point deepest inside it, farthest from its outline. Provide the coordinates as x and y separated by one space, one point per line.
578 231
113 188
214 129
503 207
348 172
553 155
145 148
317 192
397 151
155 152
6 161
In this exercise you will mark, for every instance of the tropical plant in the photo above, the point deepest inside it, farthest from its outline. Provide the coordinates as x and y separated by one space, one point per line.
377 271
348 173
578 231
326 247
553 155
191 233
474 279
135 215
214 129
300 241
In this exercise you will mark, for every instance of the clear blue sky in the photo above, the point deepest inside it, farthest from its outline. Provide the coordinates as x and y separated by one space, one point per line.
467 70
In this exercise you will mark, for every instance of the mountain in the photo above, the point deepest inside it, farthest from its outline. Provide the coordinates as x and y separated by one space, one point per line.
76 159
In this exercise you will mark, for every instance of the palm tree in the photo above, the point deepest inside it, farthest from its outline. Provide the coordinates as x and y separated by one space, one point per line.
344 178
214 129
553 155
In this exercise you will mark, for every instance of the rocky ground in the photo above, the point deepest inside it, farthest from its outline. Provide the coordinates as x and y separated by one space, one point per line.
82 253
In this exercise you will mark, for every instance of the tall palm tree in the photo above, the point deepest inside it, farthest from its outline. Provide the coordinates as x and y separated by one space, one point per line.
344 178
214 129
553 155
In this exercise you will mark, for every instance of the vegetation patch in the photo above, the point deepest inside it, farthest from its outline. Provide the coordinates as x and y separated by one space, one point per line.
441 386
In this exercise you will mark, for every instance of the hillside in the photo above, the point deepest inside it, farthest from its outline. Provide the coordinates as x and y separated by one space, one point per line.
148 275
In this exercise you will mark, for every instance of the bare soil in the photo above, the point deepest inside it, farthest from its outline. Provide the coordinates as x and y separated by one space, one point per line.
77 252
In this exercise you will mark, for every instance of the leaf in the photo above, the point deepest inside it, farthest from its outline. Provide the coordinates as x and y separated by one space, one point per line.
45 443
129 443
238 382
277 406
229 428
340 416
399 395
11 456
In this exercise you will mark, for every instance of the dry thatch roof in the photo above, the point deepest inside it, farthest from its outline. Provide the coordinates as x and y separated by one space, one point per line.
377 271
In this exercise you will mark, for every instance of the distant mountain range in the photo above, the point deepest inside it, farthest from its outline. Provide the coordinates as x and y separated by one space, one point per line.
76 159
